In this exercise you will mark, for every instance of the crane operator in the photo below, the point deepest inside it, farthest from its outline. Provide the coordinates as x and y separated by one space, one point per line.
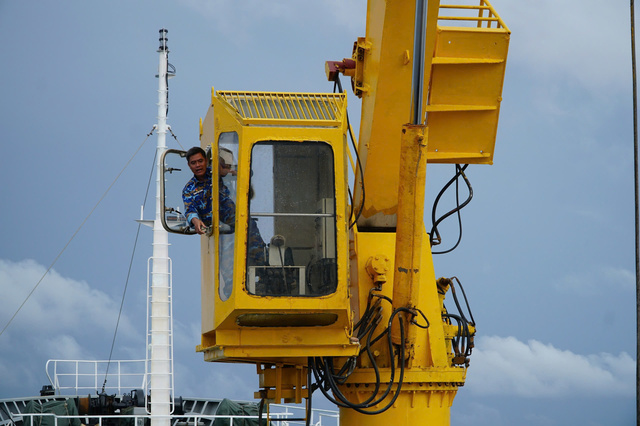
196 194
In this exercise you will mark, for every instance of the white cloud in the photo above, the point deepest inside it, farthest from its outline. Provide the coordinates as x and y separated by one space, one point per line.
477 414
506 366
596 280
56 324
65 347
582 41
66 319
58 304
63 319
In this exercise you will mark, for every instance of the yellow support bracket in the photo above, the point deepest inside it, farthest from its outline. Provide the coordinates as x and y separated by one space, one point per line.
279 381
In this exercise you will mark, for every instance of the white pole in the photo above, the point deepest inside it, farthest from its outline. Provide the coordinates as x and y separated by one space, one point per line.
161 322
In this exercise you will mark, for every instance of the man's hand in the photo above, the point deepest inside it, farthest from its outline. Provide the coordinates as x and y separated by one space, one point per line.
199 225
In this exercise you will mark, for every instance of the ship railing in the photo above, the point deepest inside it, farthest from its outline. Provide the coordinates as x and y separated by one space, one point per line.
330 417
82 376
321 418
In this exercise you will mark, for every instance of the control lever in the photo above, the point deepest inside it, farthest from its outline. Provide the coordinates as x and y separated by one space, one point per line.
278 241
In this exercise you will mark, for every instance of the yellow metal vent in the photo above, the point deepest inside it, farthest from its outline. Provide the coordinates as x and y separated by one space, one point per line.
297 109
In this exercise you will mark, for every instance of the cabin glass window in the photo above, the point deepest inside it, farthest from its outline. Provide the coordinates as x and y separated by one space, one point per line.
227 170
291 232
175 174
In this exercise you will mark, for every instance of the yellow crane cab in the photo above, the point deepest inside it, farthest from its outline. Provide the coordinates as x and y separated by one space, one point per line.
274 261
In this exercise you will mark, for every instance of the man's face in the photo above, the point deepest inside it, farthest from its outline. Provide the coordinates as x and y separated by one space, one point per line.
224 169
198 165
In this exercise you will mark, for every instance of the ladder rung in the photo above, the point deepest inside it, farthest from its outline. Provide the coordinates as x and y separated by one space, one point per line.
449 61
461 7
446 108
467 18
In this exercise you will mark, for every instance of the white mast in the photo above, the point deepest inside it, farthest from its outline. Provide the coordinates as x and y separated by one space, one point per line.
161 352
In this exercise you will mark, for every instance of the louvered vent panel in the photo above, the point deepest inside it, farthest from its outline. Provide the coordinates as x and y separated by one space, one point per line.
300 108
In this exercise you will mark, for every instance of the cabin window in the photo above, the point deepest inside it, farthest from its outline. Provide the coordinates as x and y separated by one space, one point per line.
291 232
175 174
227 170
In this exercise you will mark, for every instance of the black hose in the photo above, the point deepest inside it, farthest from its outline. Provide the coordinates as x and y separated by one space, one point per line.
434 234
355 149
328 381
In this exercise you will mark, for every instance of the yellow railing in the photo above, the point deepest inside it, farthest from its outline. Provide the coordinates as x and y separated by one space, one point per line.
486 15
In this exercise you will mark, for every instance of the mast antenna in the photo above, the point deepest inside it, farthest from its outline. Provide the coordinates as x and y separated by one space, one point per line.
159 321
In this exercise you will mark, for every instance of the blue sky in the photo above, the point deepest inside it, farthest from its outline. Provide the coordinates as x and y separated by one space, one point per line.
547 252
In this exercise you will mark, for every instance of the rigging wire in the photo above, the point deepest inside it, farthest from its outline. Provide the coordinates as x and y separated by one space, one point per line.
135 245
126 284
171 71
636 191
76 232
175 137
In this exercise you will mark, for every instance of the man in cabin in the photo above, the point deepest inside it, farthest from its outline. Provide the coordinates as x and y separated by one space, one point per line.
255 244
198 206
196 194
225 203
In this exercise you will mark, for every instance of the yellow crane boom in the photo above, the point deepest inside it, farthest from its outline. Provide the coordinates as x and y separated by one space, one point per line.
463 76
338 294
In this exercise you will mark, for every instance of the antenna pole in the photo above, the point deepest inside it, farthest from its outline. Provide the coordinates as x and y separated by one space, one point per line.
161 348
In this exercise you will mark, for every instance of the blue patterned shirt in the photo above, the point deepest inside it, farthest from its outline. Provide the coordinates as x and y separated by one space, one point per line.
226 205
255 245
196 196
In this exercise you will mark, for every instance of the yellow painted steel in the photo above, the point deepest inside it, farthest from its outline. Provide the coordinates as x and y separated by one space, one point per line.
430 378
388 250
286 109
466 87
383 80
464 72
406 285
418 404
281 382
251 328
463 81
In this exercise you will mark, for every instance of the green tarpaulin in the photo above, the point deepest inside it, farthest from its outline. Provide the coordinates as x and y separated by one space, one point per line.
60 408
231 408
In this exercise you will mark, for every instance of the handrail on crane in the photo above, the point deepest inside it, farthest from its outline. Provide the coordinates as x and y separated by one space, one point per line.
480 19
